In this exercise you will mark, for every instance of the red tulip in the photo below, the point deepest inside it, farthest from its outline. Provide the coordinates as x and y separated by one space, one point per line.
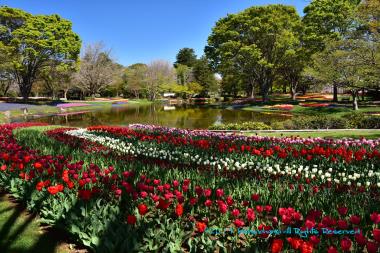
277 246
332 249
131 219
295 242
255 197
37 165
193 201
376 234
355 219
208 203
163 204
342 224
345 244
222 207
179 210
342 210
307 247
372 247
360 239
250 215
239 223
375 218
235 212
229 200
219 193
207 193
314 239
201 226
143 209
40 186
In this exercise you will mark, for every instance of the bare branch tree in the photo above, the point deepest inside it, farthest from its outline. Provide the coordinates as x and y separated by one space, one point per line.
96 69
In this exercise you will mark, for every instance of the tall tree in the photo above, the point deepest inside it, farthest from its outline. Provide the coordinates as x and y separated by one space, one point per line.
97 69
135 78
325 20
204 75
184 74
186 56
295 59
7 77
33 42
58 78
159 73
250 42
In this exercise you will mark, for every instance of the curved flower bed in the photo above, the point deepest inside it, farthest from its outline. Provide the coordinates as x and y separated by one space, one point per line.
113 206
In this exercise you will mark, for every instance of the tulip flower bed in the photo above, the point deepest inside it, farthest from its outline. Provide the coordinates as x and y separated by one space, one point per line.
145 188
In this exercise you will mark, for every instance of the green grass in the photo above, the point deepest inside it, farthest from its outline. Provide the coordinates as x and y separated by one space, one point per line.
368 134
20 232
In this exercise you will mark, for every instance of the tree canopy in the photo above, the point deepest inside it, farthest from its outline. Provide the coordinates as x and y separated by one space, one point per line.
32 42
186 56
253 43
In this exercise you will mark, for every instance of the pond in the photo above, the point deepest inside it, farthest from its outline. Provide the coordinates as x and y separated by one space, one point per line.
185 116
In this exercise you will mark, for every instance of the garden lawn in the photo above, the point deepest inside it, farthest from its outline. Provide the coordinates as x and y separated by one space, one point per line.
21 232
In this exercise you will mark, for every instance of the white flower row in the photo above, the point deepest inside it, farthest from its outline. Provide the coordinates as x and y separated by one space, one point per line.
191 156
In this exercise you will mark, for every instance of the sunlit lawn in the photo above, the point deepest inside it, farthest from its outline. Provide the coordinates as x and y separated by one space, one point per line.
21 232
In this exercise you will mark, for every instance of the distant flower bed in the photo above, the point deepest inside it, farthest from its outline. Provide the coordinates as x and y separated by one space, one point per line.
312 97
315 105
68 105
286 107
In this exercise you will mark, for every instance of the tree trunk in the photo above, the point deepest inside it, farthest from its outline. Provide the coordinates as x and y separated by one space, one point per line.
355 106
363 94
252 91
335 97
65 94
264 90
25 88
293 93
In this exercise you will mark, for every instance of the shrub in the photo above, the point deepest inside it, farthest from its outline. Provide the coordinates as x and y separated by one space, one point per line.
282 125
354 119
370 122
242 126
319 122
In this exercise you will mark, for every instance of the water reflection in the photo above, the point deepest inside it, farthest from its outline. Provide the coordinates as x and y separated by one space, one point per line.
186 116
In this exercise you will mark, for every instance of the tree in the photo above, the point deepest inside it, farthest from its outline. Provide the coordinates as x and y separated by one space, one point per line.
204 75
33 42
353 61
248 44
194 88
58 78
295 58
135 78
184 74
327 20
97 69
7 78
186 56
159 73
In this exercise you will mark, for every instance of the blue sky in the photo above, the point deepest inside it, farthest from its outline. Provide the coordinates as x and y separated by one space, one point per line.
144 30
